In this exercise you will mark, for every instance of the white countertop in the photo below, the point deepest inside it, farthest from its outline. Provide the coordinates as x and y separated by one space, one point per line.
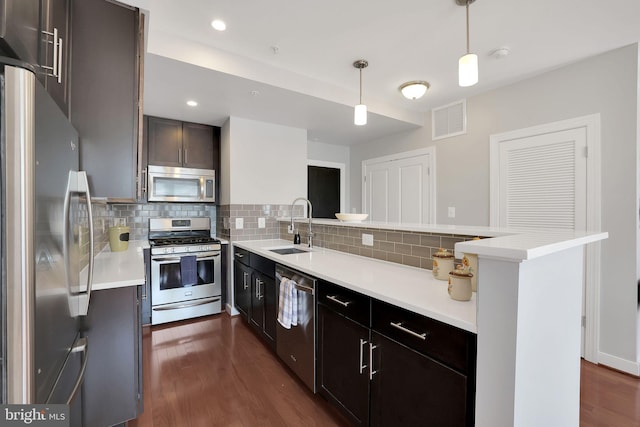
411 288
119 269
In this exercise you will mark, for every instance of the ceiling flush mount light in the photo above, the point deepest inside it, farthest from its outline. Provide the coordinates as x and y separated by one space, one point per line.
360 111
415 89
218 24
467 64
192 103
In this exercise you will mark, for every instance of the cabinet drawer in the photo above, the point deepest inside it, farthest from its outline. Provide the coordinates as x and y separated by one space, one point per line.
263 265
351 304
241 255
445 343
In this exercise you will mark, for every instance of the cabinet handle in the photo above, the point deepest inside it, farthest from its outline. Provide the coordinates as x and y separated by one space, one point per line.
371 371
362 366
55 52
186 157
335 299
144 180
244 280
239 255
60 61
422 336
258 289
179 155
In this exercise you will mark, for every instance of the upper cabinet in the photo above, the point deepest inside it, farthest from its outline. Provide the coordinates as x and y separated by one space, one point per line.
181 144
54 50
19 29
105 94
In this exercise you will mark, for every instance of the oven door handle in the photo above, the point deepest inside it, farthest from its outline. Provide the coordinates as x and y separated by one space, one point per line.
179 306
203 257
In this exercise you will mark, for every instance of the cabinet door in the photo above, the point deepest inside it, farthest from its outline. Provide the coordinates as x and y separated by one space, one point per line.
54 53
242 288
256 315
410 389
343 374
19 33
165 142
104 97
270 299
197 146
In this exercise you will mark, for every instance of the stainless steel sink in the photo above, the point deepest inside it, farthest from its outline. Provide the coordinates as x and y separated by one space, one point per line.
287 251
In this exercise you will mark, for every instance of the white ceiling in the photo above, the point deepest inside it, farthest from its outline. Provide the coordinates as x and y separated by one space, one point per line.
310 81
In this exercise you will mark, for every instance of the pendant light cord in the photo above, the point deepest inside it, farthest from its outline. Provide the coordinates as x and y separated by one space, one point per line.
468 50
360 85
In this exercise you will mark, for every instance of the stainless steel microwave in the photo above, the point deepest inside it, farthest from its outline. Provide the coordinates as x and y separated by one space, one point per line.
169 184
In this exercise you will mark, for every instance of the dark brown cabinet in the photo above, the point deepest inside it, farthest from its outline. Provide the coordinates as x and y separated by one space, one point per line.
181 144
105 94
19 29
383 365
255 294
54 50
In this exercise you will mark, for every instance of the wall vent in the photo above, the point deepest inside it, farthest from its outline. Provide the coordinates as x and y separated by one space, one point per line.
449 120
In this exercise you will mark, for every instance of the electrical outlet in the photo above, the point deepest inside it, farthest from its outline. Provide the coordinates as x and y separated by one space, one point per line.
290 229
452 212
367 239
262 223
239 223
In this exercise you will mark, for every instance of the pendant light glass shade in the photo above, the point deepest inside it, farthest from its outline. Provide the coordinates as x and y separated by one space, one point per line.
360 115
468 70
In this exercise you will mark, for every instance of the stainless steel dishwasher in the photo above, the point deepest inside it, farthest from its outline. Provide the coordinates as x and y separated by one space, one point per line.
296 346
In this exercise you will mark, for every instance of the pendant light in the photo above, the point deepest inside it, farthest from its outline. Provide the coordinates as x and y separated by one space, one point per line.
467 64
360 111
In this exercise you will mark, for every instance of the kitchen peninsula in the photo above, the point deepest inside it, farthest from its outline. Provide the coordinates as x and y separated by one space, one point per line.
526 314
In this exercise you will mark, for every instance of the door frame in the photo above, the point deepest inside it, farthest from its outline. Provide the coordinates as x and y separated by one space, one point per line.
591 296
431 173
343 179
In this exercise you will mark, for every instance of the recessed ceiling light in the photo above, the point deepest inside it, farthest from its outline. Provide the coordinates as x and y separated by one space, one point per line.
218 24
192 103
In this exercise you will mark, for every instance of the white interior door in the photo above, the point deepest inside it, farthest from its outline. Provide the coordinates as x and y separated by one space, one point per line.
399 189
548 177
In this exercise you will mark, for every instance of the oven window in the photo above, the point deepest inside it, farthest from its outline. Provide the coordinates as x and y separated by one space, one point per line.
176 187
170 275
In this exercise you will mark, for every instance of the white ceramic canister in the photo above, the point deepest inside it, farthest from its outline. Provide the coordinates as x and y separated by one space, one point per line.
460 284
470 261
442 264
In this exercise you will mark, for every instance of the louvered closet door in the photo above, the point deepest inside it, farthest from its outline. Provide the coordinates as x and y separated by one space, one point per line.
543 181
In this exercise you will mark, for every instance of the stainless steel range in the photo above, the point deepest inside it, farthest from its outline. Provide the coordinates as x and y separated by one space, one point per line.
185 269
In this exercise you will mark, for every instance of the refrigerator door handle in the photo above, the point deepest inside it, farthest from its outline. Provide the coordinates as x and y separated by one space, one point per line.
81 345
83 184
78 183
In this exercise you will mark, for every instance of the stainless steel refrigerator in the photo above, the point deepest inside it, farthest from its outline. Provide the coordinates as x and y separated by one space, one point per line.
47 246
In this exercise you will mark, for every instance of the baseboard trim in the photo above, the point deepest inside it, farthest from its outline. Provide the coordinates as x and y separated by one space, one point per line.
619 364
231 311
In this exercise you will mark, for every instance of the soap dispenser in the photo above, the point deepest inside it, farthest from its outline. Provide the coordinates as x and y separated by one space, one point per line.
296 238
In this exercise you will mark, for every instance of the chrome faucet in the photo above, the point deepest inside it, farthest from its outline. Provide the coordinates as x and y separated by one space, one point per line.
310 216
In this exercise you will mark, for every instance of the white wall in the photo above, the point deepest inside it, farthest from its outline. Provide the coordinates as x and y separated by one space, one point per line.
320 151
605 84
267 163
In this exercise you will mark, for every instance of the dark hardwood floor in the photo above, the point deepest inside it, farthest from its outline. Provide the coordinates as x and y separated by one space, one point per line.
215 372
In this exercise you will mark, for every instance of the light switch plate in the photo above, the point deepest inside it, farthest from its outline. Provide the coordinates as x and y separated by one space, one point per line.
239 223
262 223
452 212
367 239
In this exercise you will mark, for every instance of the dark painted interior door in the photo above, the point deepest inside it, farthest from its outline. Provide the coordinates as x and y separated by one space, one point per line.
323 190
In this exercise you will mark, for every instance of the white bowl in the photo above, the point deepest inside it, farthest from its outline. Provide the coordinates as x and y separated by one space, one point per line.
351 217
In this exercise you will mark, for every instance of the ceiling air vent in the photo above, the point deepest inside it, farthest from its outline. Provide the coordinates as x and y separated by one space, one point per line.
449 120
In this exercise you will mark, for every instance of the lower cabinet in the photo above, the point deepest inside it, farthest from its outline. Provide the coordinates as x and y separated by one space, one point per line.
242 288
255 293
382 365
112 389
